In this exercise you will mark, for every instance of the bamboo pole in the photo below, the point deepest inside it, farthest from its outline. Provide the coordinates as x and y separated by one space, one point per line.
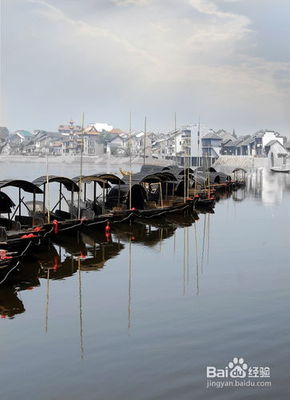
103 204
198 143
47 191
197 262
60 196
81 167
19 202
161 195
145 137
130 154
175 138
44 198
33 210
72 204
188 166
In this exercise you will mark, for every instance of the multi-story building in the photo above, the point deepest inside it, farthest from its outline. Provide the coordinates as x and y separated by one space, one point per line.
211 145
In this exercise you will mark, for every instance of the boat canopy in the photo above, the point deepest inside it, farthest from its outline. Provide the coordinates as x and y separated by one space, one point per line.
166 176
161 176
153 178
69 184
186 171
21 184
201 179
174 169
143 178
239 170
111 178
150 169
93 178
5 203
224 177
121 194
181 188
215 177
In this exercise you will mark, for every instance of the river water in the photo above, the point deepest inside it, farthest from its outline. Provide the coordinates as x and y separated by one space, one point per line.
147 313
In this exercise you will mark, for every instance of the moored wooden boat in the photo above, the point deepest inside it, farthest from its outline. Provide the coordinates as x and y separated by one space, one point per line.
206 202
10 261
163 211
113 219
282 169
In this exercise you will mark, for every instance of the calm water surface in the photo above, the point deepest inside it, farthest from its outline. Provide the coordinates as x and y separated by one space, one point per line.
146 313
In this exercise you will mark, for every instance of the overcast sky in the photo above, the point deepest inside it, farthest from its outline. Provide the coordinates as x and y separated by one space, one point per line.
226 61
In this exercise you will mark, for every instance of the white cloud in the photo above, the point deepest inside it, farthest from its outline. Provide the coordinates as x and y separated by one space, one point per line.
131 2
151 56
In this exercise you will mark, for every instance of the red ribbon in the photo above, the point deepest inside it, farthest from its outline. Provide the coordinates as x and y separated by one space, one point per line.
30 235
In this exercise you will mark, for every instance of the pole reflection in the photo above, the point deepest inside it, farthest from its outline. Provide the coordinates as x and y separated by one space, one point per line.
91 251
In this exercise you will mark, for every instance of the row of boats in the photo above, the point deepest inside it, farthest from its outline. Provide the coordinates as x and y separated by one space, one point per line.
30 226
74 255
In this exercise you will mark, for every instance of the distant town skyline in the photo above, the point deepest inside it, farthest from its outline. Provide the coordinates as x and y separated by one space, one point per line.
203 128
223 61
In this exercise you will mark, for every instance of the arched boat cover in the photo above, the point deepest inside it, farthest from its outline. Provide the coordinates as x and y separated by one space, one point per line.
201 179
239 169
143 178
5 203
111 178
21 184
92 178
152 178
219 177
224 177
162 176
68 183
150 169
181 187
215 177
121 194
186 170
166 176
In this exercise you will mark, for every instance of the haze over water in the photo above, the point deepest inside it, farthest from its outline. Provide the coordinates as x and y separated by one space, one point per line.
157 305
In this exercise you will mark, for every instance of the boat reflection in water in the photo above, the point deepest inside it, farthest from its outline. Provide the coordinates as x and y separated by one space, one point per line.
10 304
146 234
70 255
65 257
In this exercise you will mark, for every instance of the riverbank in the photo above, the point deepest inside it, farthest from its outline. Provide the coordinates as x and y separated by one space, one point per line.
246 162
223 162
95 160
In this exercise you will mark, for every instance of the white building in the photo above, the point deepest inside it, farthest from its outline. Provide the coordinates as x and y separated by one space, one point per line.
276 153
102 126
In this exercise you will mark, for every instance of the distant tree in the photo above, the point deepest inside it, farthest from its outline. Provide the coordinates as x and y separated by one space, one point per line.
234 133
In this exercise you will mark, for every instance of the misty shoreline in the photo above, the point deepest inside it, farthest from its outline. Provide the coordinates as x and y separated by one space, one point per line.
104 159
